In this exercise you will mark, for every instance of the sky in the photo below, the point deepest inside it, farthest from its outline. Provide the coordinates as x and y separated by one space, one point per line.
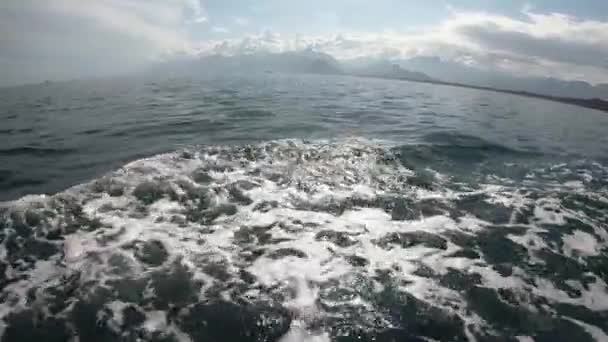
65 39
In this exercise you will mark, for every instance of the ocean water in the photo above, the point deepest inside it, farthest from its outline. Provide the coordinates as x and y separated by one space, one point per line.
299 208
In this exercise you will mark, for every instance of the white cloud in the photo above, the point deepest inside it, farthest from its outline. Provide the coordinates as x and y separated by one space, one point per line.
545 41
82 37
241 21
157 23
527 7
553 44
219 29
200 20
198 13
73 38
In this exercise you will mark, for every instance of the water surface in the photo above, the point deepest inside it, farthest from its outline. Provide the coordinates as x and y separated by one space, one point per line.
299 208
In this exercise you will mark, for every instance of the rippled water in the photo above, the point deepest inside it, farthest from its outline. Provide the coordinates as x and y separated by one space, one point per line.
300 208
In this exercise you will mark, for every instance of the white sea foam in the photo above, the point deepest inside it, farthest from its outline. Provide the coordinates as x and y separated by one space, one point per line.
155 321
595 332
524 339
287 193
581 243
297 333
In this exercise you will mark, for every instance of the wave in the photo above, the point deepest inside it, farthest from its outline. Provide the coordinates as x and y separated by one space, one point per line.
308 240
199 126
459 141
37 151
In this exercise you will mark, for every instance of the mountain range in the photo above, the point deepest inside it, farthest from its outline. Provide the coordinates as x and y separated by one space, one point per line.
288 62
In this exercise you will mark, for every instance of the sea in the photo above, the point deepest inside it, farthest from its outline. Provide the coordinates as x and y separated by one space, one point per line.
299 208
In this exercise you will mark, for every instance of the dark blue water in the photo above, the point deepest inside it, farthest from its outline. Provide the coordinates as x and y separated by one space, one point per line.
58 135
299 208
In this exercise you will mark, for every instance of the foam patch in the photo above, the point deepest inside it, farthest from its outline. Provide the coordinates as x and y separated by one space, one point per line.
305 241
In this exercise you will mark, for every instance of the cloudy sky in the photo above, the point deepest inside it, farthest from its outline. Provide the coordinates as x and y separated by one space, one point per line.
62 39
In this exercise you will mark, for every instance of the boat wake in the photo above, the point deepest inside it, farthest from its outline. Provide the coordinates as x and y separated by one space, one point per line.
295 240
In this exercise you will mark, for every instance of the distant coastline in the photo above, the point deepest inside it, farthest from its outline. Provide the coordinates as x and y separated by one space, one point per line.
597 104
592 103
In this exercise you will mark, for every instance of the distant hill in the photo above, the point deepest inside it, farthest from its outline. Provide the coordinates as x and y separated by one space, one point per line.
459 73
385 69
306 61
288 62
593 103
603 89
